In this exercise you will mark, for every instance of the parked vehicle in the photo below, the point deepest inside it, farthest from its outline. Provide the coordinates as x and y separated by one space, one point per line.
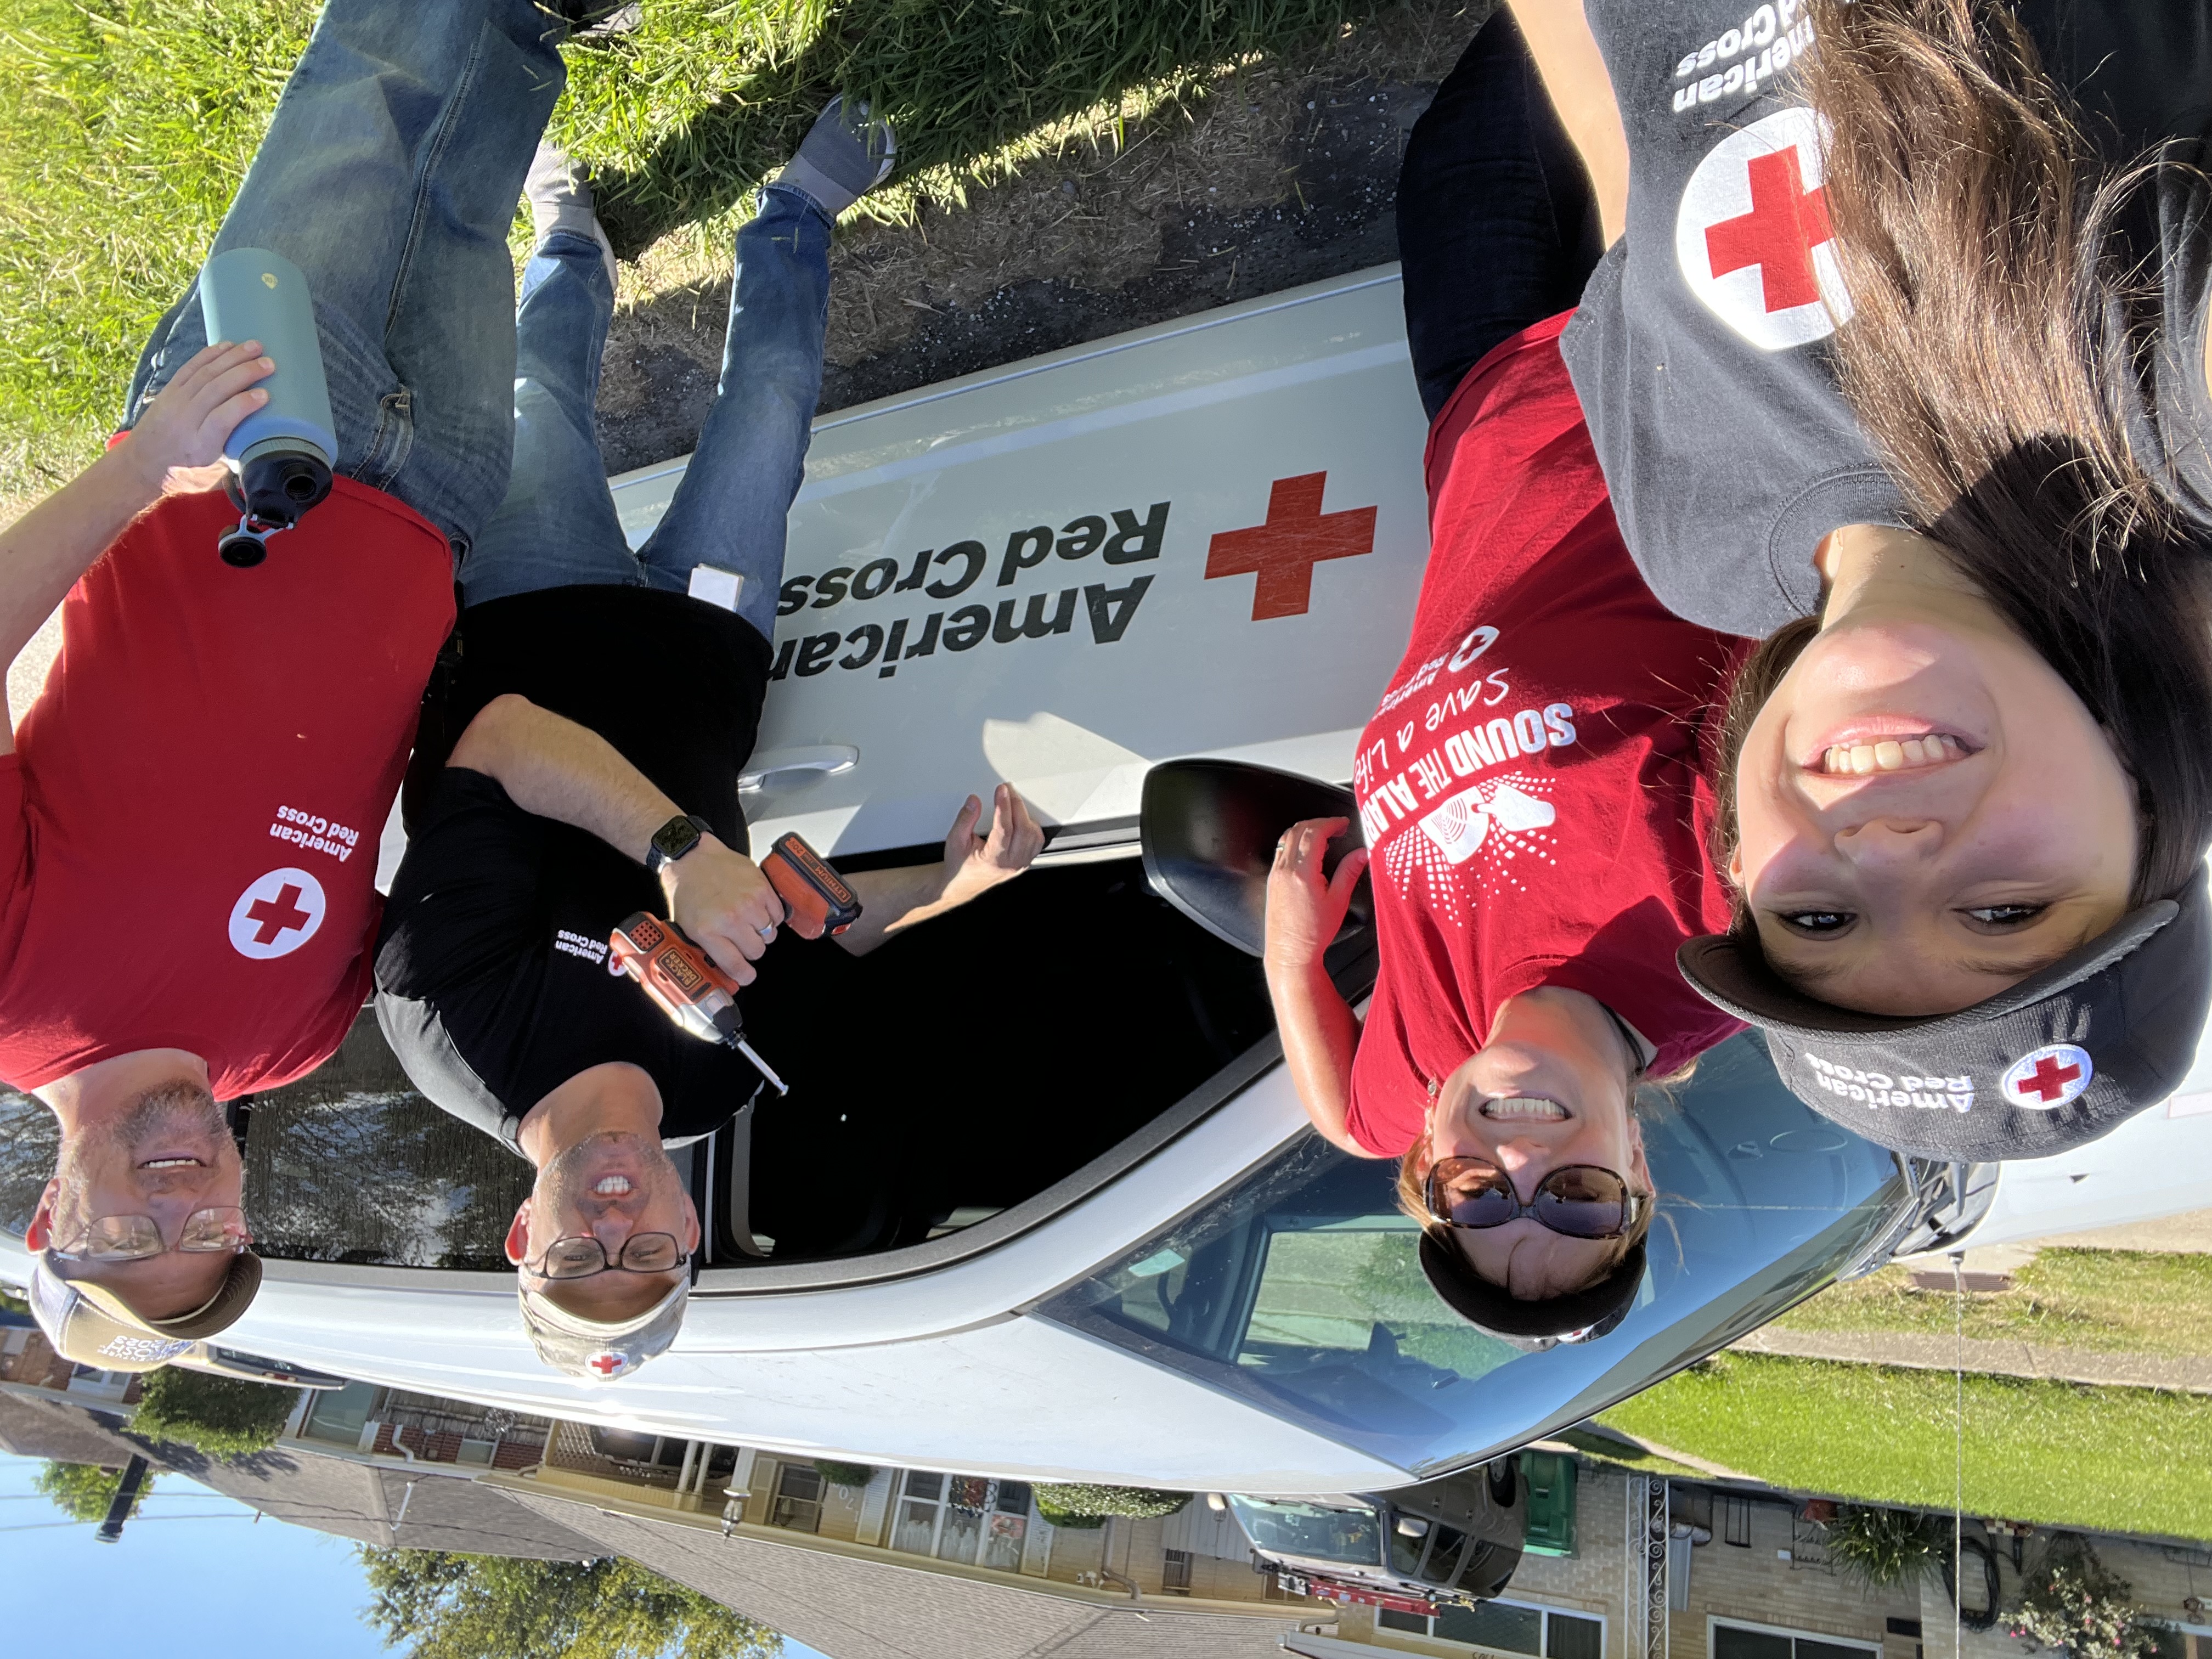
1042 1203
1452 1541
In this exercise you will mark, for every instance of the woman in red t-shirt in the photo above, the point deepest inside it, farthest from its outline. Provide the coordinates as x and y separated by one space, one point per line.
1533 790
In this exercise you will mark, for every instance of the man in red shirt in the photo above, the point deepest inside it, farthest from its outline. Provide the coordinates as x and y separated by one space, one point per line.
1533 789
190 813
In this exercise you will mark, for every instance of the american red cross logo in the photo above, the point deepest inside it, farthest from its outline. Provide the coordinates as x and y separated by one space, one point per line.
1753 238
279 915
1786 222
608 1364
2049 1078
1283 551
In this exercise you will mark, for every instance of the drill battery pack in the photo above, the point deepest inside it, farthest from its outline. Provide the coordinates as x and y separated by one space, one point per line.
809 888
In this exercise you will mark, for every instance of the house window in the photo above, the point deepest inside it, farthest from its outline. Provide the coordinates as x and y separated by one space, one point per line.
964 1518
798 1498
1735 1521
1509 1627
1175 1572
1734 1641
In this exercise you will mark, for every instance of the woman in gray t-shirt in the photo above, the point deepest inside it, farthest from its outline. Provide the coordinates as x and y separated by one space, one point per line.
1899 364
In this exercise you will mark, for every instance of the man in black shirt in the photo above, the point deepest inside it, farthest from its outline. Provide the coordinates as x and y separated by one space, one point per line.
605 702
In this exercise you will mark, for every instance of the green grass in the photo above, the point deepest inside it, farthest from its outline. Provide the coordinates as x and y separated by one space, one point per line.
2126 1460
2108 1301
125 126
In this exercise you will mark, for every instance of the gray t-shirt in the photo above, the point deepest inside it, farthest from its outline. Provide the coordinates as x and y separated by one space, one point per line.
1701 350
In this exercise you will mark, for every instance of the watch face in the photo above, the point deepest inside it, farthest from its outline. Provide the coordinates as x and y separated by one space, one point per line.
675 838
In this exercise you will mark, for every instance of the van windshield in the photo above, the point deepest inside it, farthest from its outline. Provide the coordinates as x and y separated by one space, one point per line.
1311 1530
1301 1288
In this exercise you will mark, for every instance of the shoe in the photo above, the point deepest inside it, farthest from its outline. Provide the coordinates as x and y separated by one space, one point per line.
586 17
559 192
845 155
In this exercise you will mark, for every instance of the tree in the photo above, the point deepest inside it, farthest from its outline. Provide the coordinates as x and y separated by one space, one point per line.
478 1607
1081 1507
222 1416
846 1477
83 1491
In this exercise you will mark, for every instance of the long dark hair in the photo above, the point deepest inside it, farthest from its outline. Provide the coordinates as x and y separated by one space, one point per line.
1999 329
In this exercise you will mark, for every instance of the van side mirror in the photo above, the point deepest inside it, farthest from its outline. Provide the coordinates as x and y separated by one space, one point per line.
1208 828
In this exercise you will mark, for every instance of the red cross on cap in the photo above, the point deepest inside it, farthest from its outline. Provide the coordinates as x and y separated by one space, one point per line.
608 1363
1282 552
2049 1077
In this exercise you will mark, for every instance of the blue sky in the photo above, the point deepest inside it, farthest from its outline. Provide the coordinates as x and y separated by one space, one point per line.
255 1588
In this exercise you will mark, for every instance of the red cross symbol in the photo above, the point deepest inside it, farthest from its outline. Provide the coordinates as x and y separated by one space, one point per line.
1786 222
1282 552
606 1365
2049 1078
275 917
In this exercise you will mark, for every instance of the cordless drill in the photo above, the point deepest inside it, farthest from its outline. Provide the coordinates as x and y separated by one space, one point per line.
691 989
681 978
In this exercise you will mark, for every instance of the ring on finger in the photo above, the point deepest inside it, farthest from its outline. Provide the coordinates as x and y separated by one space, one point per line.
766 932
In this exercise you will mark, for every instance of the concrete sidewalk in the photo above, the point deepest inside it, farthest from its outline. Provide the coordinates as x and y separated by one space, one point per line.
2001 1358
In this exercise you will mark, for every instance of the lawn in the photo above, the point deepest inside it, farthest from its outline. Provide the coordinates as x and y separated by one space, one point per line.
126 125
2108 1301
2126 1460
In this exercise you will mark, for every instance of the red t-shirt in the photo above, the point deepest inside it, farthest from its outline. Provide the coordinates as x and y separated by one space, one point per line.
1533 787
189 825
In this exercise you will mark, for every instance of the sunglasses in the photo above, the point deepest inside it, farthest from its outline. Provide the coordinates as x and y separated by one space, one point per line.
1581 1200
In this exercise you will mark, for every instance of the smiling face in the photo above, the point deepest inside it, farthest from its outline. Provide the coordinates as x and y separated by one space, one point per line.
1926 814
1550 1088
165 1155
608 1187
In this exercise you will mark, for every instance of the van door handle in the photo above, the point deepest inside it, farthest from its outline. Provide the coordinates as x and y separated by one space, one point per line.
797 768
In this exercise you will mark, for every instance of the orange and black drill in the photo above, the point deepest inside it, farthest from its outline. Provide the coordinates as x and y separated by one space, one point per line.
683 979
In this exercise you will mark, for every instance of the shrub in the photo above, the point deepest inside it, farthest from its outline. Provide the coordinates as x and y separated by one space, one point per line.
221 1416
1080 1507
1884 1548
846 1477
2072 1604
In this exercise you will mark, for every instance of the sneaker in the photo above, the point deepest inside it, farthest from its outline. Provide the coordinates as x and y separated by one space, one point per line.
559 192
845 155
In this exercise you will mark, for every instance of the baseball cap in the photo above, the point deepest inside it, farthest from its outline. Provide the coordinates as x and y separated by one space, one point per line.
1577 1316
88 1324
600 1350
2062 1057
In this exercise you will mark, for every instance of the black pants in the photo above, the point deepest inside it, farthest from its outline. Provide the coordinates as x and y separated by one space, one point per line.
1498 226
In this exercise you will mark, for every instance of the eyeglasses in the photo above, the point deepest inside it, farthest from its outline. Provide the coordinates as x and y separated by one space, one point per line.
1581 1200
582 1256
135 1237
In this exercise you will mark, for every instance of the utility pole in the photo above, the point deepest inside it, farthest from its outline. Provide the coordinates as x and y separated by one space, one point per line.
126 1494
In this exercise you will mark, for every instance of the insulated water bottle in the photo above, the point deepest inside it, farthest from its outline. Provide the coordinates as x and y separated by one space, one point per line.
280 456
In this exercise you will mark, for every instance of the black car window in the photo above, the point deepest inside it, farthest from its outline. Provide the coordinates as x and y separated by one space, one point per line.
946 1076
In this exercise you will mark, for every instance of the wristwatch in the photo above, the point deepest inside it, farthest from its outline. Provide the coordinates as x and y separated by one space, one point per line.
674 839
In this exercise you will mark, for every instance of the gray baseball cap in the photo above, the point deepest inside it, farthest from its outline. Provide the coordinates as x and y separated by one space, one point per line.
87 1322
2064 1056
600 1350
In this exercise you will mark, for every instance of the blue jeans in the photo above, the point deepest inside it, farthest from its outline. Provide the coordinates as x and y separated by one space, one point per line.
557 527
390 176
1498 227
